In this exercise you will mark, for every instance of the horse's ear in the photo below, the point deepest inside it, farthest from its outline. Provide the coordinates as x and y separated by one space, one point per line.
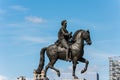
88 31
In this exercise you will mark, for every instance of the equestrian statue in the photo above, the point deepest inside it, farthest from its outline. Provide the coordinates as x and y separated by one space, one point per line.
68 48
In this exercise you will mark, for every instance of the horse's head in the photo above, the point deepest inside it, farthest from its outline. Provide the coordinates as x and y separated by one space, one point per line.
82 34
86 37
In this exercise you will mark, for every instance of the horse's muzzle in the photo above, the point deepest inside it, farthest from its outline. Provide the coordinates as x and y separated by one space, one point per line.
89 43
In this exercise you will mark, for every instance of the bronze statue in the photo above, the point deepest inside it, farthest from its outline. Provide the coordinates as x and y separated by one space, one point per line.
58 51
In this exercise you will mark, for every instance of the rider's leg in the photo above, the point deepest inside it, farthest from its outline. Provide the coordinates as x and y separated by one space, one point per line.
65 45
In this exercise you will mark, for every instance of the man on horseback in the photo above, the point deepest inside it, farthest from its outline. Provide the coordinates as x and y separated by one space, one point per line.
77 49
64 37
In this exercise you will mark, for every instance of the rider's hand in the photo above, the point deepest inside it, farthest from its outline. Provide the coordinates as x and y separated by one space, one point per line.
66 34
70 33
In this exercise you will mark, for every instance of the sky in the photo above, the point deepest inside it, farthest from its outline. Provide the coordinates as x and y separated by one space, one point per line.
26 26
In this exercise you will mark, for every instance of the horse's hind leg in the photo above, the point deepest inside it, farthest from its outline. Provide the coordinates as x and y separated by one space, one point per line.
51 65
46 68
84 61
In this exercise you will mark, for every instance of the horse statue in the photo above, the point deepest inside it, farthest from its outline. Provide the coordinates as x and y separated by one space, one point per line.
55 52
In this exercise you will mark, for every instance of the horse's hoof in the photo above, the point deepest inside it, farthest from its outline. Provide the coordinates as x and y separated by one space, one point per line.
75 77
58 74
37 72
83 71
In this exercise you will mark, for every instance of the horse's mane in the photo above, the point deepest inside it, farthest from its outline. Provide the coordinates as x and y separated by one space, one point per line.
75 34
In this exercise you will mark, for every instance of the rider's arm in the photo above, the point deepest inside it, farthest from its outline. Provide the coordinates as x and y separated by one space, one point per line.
64 32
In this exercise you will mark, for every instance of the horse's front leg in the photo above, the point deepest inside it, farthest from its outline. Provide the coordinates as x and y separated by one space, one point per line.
74 68
86 64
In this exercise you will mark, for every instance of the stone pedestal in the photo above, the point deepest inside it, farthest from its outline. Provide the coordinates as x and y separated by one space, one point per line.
39 76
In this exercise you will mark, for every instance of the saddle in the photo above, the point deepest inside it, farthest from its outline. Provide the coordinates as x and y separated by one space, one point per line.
58 43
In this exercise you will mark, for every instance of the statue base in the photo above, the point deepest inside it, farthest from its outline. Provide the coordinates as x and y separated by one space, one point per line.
38 76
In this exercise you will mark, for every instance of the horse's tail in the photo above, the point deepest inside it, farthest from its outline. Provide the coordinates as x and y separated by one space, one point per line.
42 59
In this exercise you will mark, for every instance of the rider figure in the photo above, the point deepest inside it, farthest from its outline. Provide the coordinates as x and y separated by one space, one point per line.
64 36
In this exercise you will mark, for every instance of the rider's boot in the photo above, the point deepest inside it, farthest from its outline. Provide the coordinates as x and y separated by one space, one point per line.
67 55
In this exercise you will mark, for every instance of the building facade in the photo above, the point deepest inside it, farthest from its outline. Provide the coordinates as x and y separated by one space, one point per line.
114 68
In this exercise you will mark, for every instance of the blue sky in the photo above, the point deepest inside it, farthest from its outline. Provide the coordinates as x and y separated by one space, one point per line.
26 26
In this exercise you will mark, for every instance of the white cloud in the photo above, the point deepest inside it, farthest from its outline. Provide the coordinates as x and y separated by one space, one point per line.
3 77
38 39
98 54
70 68
19 8
34 19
